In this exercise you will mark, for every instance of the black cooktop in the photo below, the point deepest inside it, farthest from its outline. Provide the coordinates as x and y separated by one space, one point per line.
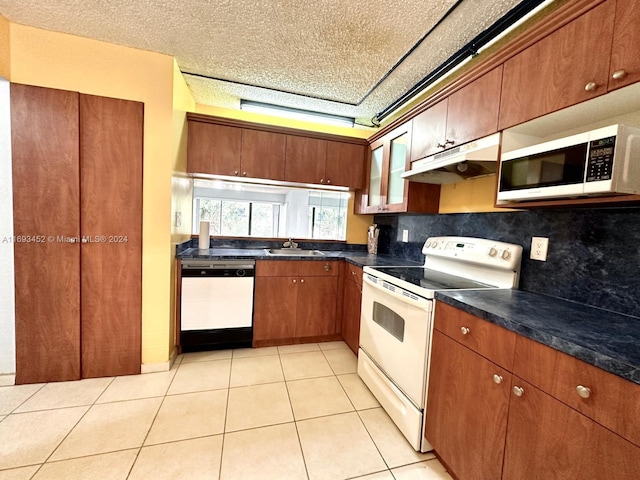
431 279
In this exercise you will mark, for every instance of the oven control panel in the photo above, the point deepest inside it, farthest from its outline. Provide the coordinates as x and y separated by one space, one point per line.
475 250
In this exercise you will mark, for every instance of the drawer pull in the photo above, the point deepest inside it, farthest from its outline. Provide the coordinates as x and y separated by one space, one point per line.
497 379
619 74
518 391
302 280
591 86
327 267
464 330
294 280
584 392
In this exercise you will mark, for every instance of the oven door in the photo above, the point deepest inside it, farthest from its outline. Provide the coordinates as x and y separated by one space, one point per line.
395 334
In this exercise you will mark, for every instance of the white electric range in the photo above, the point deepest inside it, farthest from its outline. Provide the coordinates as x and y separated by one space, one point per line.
397 319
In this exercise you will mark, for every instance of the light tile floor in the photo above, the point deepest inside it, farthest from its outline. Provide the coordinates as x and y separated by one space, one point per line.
292 412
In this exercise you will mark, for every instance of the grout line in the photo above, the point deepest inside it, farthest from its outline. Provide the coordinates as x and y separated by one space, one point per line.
295 422
26 399
226 414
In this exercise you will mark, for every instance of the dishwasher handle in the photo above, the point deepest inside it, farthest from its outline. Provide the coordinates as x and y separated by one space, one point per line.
234 272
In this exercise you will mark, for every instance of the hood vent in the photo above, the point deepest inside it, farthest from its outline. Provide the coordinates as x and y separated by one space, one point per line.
473 159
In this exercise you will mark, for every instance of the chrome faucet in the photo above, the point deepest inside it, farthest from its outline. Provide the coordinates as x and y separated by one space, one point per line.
290 243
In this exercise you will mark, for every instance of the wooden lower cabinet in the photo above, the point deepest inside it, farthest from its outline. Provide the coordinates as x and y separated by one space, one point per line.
351 304
486 422
466 420
295 301
546 440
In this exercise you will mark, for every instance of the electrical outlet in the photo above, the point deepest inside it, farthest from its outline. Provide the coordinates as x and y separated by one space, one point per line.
405 236
539 248
178 219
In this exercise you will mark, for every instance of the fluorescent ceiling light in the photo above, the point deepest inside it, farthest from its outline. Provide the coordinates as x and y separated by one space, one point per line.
296 113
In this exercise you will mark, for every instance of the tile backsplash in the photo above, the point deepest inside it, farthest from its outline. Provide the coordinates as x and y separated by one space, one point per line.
593 258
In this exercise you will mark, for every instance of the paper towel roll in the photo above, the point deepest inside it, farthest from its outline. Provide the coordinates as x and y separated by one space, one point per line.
203 240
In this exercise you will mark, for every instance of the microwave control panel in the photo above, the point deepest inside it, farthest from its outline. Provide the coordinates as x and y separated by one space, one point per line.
600 160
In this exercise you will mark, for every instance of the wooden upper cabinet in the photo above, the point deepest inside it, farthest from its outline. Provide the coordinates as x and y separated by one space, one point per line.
263 154
568 66
213 149
305 159
346 164
473 110
429 131
625 61
325 162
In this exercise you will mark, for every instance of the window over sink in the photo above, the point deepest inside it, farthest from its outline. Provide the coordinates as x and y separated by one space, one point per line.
236 209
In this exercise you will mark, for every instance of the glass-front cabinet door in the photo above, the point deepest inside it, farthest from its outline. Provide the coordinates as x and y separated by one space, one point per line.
374 198
387 191
397 163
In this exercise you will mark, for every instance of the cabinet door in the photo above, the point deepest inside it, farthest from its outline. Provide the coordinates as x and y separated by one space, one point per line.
46 198
111 228
274 308
396 190
562 69
213 149
473 110
352 302
625 61
466 414
345 164
316 306
429 131
263 154
372 199
548 440
305 159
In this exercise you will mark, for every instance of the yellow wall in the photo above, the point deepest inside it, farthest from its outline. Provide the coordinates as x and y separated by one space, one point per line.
360 132
181 184
44 58
473 195
5 41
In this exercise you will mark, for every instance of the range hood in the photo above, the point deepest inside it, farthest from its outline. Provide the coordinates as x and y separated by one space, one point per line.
473 159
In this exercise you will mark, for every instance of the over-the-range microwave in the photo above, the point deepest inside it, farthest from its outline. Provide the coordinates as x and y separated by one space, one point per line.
605 161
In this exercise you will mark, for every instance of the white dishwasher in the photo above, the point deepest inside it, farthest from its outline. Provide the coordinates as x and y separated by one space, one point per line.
216 304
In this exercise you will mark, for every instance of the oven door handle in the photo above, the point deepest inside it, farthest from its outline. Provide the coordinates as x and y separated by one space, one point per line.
401 294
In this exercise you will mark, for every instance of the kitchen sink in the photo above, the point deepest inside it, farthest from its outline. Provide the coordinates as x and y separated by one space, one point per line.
293 252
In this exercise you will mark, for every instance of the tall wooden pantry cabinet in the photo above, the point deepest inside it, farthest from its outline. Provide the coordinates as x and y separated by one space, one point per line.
77 187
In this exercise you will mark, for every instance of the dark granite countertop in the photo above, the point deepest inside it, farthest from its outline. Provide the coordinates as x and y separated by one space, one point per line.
360 259
606 339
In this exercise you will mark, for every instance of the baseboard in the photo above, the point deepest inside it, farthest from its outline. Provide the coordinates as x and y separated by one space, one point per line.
7 380
159 367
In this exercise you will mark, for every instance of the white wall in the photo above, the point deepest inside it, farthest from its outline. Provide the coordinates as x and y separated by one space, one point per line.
7 302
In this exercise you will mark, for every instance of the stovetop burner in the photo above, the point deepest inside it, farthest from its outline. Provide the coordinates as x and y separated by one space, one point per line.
431 279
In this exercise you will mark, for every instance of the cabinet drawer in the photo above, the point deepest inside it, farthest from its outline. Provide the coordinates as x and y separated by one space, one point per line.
611 401
288 268
489 340
353 273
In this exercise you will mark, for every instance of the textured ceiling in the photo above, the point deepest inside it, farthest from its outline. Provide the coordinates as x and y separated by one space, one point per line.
331 56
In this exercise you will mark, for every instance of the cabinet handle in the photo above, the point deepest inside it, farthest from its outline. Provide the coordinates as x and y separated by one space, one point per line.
584 392
449 142
619 74
327 267
295 281
352 273
464 330
302 280
518 391
322 180
441 145
328 181
236 172
591 86
244 174
497 379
